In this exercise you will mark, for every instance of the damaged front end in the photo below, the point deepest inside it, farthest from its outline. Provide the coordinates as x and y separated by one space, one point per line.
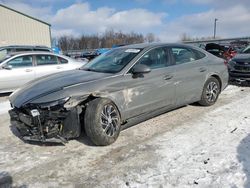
55 121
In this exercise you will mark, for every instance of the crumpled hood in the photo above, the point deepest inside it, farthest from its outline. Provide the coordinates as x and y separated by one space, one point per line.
52 83
242 58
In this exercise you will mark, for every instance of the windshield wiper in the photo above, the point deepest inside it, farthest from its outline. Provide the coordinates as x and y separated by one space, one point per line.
87 69
92 70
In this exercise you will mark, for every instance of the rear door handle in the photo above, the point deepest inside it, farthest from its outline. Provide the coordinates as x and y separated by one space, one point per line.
168 77
58 67
202 69
28 70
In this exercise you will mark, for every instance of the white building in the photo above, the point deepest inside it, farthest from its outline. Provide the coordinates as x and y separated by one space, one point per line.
17 28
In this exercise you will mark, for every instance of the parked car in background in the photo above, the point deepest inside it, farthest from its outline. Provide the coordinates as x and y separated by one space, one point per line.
239 66
89 55
19 69
126 84
215 49
5 50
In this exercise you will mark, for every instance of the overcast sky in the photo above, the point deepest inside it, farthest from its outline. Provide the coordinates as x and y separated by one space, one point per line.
168 19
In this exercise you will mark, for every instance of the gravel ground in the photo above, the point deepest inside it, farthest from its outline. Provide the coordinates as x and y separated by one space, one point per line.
192 146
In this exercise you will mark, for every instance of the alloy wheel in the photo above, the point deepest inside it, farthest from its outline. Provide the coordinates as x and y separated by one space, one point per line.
109 119
212 91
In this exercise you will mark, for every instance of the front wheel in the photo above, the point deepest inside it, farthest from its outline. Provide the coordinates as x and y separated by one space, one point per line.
102 122
210 92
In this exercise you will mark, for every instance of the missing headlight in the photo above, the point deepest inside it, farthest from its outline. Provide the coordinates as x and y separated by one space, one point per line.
54 105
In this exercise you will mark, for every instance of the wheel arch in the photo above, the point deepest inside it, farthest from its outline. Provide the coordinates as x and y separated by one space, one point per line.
94 96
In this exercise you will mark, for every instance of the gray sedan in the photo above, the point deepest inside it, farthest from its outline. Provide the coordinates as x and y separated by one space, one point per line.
119 88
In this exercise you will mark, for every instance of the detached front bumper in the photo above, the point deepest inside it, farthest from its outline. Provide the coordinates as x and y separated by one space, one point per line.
49 126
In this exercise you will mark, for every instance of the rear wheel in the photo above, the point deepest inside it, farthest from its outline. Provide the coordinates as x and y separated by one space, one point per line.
210 92
102 122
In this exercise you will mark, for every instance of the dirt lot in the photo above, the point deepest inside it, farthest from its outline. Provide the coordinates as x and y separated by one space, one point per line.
193 146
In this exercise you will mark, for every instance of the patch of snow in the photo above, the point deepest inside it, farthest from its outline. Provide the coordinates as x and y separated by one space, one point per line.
4 107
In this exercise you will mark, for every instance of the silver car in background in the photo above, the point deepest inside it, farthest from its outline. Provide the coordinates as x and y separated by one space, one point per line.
19 69
123 86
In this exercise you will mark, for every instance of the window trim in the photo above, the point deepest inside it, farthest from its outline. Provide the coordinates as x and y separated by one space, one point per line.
169 57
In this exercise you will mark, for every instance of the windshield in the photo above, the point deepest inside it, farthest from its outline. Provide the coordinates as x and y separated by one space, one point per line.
5 58
3 53
246 50
112 61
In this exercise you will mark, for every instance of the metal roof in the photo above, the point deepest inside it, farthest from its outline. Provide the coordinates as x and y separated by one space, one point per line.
25 15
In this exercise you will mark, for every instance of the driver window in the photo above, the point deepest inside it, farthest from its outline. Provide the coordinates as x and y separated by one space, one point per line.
155 58
21 62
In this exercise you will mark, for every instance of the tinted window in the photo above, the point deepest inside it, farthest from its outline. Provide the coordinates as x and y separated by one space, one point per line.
185 55
46 60
62 60
19 62
23 49
156 58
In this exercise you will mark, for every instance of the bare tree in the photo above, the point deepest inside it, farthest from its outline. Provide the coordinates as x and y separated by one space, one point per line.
106 40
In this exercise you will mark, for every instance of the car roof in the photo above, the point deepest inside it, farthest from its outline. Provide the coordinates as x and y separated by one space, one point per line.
24 46
152 45
31 53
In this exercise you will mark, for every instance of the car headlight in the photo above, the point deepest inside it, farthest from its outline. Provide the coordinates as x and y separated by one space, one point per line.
52 104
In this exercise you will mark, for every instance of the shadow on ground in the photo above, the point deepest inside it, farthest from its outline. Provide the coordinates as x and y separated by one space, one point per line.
6 181
240 84
243 156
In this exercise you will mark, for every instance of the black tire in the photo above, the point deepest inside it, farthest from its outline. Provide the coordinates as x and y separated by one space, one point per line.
208 97
101 128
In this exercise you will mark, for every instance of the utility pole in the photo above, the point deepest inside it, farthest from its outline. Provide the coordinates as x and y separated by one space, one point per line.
215 20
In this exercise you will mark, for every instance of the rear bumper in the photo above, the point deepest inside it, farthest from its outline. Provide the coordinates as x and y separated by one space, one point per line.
43 128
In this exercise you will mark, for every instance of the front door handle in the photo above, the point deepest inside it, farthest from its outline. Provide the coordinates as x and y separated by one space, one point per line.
168 77
58 67
202 69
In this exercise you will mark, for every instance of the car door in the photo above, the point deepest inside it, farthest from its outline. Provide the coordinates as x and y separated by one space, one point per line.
151 91
46 64
190 74
16 72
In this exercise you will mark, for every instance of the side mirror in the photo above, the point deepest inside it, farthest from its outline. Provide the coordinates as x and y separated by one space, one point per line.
140 69
7 67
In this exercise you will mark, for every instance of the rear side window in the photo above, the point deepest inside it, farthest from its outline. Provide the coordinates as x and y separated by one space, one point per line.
20 62
185 55
46 60
62 60
198 54
41 49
